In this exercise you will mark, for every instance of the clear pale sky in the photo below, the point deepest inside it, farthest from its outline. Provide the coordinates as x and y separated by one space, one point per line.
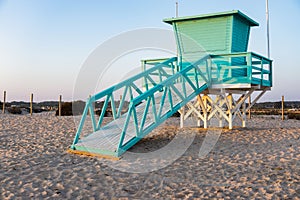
43 43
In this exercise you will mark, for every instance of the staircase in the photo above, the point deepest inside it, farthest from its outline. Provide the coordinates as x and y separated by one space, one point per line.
162 93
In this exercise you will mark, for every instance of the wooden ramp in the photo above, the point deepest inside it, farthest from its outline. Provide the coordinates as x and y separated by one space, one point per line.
164 92
106 140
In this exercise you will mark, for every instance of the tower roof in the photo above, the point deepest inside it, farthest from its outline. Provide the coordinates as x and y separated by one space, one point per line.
213 15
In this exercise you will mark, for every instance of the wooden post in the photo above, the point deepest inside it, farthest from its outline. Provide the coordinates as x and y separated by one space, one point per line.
244 117
230 101
31 104
4 101
249 103
282 107
205 116
59 105
182 113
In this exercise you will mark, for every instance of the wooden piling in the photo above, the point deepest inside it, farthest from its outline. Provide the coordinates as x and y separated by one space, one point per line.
249 104
4 101
282 107
31 104
59 105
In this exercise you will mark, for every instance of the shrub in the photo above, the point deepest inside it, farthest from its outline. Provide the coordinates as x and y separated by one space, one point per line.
14 110
71 108
294 116
66 109
38 110
108 113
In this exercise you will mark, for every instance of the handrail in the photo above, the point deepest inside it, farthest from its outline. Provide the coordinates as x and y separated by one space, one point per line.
176 76
253 61
132 79
127 85
166 87
238 54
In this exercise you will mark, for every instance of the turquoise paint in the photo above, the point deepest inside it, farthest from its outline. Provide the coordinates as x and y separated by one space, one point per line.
217 33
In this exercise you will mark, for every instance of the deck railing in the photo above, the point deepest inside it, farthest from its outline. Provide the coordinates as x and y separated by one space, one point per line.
234 68
239 68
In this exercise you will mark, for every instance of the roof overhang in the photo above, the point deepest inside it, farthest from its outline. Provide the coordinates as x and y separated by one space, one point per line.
213 15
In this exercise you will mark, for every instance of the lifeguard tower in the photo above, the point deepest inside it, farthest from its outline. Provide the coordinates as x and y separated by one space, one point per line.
234 72
213 67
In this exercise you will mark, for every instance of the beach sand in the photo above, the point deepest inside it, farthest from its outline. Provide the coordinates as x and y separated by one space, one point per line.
260 161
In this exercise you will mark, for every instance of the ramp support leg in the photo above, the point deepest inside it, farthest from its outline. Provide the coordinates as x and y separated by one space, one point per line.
244 115
205 112
182 113
230 111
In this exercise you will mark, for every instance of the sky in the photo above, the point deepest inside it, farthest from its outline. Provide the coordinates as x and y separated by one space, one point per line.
44 43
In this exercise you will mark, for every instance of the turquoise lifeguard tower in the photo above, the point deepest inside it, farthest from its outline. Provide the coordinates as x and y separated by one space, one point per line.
224 37
212 77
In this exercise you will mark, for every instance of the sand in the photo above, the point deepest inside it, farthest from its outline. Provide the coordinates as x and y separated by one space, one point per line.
260 161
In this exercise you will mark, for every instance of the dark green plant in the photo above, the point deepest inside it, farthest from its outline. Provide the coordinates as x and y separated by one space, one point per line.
294 116
71 108
14 110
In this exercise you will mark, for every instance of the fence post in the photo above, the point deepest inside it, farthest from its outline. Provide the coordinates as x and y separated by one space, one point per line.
282 107
4 100
31 102
249 103
59 105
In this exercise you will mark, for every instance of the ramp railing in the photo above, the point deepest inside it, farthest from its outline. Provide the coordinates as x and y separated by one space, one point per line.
165 93
128 89
153 107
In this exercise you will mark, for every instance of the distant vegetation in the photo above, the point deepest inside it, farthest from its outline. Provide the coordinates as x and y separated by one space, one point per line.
292 108
19 107
277 105
71 108
14 110
294 116
77 107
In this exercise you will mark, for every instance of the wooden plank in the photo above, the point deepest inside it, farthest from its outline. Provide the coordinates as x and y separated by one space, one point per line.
85 153
31 103
59 105
249 111
282 108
